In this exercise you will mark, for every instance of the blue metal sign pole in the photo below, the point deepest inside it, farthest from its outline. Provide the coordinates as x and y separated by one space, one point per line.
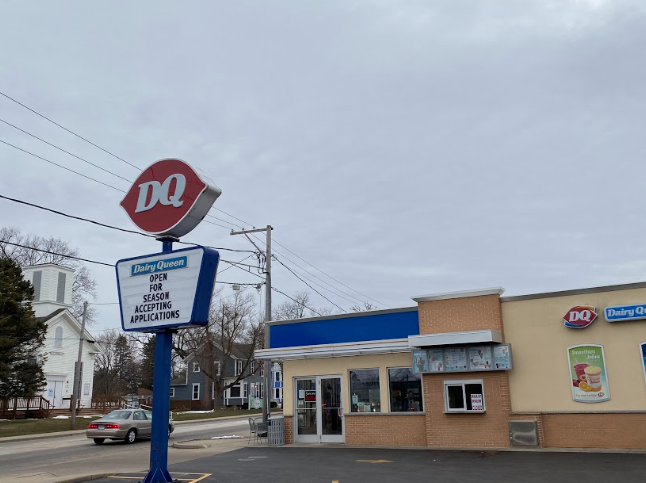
158 472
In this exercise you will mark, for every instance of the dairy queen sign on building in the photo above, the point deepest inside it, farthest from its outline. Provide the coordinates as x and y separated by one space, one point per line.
165 291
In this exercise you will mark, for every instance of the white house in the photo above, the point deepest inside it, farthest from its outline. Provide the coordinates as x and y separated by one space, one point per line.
52 304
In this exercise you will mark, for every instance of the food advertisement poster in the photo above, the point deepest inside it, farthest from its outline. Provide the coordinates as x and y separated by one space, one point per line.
480 358
420 361
588 376
642 352
502 357
435 360
455 359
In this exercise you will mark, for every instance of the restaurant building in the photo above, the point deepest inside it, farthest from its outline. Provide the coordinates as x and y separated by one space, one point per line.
471 369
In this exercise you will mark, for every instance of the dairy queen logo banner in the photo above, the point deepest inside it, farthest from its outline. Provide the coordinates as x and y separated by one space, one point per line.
169 199
580 317
167 290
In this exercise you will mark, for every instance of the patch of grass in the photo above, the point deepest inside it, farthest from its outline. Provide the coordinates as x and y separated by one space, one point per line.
215 414
20 427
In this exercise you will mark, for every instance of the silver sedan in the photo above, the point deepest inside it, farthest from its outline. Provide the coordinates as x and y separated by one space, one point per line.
123 424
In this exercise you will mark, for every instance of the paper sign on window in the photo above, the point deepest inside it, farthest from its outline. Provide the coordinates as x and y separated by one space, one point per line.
476 402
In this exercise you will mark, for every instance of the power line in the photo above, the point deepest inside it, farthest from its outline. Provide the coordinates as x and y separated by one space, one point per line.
294 300
61 166
65 151
334 290
112 227
324 281
330 276
134 166
68 130
57 254
294 273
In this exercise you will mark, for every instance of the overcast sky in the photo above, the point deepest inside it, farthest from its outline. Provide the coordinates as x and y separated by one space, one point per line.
403 147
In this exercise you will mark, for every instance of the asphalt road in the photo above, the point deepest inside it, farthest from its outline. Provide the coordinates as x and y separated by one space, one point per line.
353 465
54 457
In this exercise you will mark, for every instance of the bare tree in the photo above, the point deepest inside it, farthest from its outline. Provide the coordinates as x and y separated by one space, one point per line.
294 309
366 307
234 332
83 286
116 367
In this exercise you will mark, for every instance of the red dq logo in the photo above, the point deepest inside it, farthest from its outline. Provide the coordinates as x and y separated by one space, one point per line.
580 316
169 199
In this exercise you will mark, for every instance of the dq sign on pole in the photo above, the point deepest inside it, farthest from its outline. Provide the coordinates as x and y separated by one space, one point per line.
163 292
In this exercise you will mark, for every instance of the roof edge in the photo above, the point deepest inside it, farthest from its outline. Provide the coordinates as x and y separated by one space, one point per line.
344 316
459 294
576 291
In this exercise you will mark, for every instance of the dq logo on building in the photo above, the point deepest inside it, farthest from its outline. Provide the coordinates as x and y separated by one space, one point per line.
580 317
169 199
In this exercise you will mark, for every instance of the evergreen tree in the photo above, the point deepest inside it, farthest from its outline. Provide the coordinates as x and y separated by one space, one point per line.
21 335
148 362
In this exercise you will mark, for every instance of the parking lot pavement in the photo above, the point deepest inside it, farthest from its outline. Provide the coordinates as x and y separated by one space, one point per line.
346 465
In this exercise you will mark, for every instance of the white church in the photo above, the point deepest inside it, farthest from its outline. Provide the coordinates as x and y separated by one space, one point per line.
52 304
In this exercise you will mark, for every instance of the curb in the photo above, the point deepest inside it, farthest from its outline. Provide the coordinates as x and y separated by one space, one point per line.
81 479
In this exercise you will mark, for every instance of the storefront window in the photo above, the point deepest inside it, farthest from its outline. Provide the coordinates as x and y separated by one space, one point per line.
364 391
405 389
464 396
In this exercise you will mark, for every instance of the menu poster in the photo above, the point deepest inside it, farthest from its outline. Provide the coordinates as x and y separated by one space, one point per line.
480 358
420 361
501 357
455 359
588 376
642 353
435 360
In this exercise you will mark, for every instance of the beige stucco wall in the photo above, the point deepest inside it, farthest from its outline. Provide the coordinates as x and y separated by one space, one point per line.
540 379
333 366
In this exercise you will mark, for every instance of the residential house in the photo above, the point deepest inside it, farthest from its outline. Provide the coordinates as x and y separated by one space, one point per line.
195 390
52 304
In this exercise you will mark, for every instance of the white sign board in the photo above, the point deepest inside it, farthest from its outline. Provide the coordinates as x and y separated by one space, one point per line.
165 290
476 402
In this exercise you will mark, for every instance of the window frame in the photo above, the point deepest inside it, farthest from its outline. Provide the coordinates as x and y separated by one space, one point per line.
172 392
238 370
196 367
379 385
463 383
193 398
218 368
58 337
421 390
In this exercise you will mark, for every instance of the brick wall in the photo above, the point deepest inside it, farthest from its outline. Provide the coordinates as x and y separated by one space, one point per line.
609 430
385 429
461 314
488 429
289 429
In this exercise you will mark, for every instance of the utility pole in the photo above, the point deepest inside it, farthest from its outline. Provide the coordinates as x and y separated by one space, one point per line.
78 374
266 410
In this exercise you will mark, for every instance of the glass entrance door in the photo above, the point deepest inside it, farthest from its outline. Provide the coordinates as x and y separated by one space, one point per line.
319 410
331 420
306 411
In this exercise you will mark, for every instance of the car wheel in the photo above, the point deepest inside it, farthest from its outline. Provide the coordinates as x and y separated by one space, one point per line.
99 440
131 436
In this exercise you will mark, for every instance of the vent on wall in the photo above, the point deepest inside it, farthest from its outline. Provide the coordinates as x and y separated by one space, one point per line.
38 279
523 433
60 290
